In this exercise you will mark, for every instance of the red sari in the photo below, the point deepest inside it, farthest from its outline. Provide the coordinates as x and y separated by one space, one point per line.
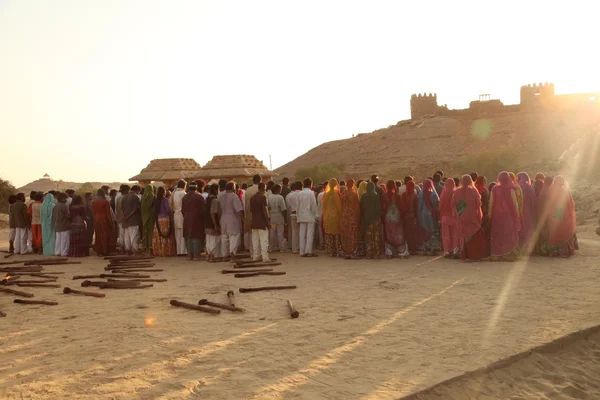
448 220
393 228
104 227
561 219
466 206
506 221
350 222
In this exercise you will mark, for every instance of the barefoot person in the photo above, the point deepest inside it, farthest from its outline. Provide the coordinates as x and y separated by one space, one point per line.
212 225
466 206
306 217
232 212
429 231
62 226
104 226
132 219
163 242
192 209
506 221
260 225
370 222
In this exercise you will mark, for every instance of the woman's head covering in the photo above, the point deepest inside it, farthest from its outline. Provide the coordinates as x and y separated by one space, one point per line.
513 178
362 189
428 192
332 208
446 198
523 178
370 207
147 203
491 186
466 206
561 215
410 186
539 177
480 184
350 185
538 186
390 187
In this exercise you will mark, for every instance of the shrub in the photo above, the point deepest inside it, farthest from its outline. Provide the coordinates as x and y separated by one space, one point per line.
6 189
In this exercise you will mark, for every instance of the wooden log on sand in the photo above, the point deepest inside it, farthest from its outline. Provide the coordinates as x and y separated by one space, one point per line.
15 292
47 303
258 289
105 276
86 277
2 315
256 265
127 271
10 262
230 296
293 312
247 275
82 293
111 285
98 284
128 258
189 306
239 262
235 271
14 282
22 269
36 285
205 302
111 267
46 260
137 280
48 263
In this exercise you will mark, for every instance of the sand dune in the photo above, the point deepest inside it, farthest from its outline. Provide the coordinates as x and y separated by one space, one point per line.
367 330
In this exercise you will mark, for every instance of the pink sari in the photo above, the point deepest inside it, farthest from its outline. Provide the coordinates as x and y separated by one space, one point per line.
506 222
561 215
448 219
529 218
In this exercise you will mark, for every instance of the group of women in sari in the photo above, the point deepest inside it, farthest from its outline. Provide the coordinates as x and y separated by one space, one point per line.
470 220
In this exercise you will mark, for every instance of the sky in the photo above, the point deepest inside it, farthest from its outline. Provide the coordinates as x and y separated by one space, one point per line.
94 90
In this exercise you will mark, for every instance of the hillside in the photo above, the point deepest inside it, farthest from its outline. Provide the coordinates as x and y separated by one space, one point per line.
526 140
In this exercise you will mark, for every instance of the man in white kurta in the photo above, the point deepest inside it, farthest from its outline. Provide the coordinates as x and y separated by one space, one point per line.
306 216
292 205
178 218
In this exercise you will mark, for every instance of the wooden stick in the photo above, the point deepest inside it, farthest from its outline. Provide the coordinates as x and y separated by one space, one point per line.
126 263
82 293
9 255
126 271
113 267
20 271
203 302
48 259
137 280
235 271
10 262
239 262
126 258
31 281
47 303
109 285
28 268
86 277
230 296
9 280
258 289
194 307
16 292
44 273
37 285
245 275
98 284
293 312
123 276
269 264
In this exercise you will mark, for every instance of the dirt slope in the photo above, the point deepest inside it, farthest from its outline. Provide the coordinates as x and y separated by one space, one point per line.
529 139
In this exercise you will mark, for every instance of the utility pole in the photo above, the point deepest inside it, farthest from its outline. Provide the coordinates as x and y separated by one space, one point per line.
270 163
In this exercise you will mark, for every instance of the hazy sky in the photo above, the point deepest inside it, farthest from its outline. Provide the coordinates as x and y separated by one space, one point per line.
93 90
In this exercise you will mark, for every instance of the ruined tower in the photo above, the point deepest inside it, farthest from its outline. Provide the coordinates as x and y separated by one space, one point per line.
424 104
536 96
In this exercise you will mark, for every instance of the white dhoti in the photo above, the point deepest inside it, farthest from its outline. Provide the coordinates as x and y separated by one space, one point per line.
213 245
61 245
260 244
229 244
12 233
179 239
276 238
29 240
131 238
295 235
20 240
307 234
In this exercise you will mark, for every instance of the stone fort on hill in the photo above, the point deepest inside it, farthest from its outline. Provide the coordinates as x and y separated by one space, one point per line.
533 97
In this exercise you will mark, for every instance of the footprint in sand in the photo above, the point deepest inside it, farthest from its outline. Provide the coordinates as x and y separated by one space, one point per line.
388 285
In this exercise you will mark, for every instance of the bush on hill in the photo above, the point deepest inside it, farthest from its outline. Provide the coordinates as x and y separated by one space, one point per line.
6 189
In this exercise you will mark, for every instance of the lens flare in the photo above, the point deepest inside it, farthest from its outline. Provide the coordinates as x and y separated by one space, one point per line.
482 128
149 321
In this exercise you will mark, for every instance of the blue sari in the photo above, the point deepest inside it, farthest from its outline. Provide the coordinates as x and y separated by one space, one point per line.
429 229
48 234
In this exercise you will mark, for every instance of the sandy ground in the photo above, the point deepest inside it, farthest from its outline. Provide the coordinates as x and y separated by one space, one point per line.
367 330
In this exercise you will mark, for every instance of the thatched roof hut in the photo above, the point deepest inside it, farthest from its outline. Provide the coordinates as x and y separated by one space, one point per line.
239 167
168 171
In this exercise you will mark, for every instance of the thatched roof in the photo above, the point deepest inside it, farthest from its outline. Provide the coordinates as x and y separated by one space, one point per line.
165 169
234 166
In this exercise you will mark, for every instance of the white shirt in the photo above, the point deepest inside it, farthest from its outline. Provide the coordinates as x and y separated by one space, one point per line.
205 195
307 206
177 197
320 204
69 201
291 202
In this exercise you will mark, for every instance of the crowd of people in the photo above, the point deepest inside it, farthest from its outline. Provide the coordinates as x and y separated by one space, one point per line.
463 218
